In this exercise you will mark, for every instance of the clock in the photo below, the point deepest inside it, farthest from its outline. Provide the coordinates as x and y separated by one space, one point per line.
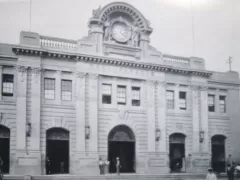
121 32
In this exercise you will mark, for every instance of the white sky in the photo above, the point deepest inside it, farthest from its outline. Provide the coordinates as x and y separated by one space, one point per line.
216 24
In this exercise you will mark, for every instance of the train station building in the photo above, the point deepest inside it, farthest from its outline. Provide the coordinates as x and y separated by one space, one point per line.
111 94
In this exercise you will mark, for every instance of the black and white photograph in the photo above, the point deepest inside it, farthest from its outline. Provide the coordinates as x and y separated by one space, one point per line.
119 89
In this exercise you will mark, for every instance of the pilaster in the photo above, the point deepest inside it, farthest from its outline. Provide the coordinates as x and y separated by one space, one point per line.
93 112
1 72
150 94
196 95
21 107
35 108
161 91
204 119
80 111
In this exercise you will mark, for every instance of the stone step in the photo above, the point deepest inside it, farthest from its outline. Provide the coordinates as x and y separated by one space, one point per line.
115 177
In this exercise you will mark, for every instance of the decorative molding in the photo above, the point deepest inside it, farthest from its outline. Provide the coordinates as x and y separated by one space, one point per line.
196 87
36 72
160 83
115 62
80 75
23 71
123 114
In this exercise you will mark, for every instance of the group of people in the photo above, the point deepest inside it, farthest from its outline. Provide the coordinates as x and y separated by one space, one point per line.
102 165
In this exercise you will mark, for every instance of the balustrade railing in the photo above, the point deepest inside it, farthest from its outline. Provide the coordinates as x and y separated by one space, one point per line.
176 60
57 43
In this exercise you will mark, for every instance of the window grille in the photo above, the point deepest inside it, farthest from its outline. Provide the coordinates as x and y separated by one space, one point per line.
7 85
49 88
66 87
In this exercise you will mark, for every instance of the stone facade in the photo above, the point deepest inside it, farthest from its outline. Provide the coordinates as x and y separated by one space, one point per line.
107 57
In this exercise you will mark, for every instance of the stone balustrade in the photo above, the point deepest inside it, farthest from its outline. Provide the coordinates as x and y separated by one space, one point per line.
57 43
176 60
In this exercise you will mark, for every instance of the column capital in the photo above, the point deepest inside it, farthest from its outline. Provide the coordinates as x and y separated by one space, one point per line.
93 76
36 70
22 69
79 74
198 87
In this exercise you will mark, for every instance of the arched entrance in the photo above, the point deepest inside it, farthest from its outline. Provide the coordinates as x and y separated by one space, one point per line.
121 143
218 153
57 151
5 147
177 152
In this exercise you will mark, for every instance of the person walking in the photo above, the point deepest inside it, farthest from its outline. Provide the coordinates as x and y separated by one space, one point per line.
118 165
211 175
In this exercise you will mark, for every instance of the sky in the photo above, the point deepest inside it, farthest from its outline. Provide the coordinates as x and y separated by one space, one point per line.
204 28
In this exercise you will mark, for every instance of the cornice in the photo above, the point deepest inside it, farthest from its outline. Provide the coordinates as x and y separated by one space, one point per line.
20 50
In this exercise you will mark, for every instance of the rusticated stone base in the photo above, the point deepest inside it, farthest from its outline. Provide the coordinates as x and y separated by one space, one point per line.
26 163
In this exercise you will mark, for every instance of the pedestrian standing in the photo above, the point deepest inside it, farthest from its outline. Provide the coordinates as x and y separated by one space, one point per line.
118 165
47 165
101 166
211 175
62 167
232 171
229 173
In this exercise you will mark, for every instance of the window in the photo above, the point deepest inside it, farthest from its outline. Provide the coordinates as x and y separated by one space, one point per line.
222 100
211 103
66 88
135 96
49 88
121 95
7 85
182 100
106 93
170 99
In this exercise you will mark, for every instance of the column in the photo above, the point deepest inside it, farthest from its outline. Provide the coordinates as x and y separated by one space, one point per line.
21 107
161 98
1 72
80 111
35 108
151 115
93 112
195 117
204 118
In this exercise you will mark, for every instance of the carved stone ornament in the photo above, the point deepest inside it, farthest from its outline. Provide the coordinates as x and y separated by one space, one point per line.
80 74
96 12
36 72
23 71
197 87
123 115
161 83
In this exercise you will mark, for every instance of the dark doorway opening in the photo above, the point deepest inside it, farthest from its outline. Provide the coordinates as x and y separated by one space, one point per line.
57 151
177 153
218 153
5 148
121 143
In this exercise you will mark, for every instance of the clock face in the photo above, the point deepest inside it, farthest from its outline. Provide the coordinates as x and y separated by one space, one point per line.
121 32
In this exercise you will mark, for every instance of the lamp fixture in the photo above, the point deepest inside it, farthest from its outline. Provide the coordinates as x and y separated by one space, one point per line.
201 136
158 134
28 129
87 131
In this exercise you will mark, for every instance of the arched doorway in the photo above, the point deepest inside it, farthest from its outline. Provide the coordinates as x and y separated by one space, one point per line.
218 153
5 147
121 143
57 151
177 152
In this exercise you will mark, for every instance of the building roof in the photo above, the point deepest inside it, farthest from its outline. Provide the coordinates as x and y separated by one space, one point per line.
6 51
